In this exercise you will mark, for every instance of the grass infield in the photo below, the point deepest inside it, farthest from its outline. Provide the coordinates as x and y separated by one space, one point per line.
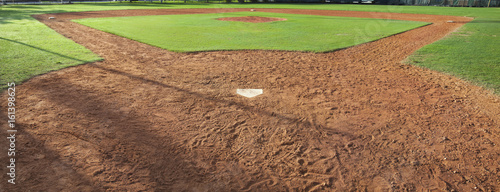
202 32
29 48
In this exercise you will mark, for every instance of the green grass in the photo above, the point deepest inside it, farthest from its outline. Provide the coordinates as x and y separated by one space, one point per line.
471 53
29 48
22 57
202 32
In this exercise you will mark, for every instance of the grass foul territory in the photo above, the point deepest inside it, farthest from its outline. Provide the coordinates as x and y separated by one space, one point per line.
471 53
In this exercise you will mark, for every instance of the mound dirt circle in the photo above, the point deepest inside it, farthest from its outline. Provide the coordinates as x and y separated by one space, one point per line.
146 119
252 19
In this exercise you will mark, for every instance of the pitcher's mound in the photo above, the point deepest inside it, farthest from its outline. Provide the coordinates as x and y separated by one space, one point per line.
252 19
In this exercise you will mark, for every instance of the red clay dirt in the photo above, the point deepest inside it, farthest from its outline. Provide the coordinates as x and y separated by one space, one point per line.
252 19
357 119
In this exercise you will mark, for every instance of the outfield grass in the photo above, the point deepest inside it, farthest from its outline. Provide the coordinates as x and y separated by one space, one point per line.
202 32
29 48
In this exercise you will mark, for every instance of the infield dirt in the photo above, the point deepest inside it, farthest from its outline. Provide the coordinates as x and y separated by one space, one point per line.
357 119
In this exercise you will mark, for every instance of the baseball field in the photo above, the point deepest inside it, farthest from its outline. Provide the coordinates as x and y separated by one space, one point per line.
142 97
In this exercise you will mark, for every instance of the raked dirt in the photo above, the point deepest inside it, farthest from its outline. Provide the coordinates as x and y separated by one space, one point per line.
357 119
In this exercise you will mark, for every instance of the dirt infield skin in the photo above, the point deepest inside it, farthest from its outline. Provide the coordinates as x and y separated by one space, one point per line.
357 119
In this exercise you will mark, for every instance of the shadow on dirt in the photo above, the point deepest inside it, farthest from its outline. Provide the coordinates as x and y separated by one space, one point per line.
127 153
57 168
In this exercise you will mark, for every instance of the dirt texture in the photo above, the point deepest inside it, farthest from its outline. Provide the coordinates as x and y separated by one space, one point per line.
357 119
252 19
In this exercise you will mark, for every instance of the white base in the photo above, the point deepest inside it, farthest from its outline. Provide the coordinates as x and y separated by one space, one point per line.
249 92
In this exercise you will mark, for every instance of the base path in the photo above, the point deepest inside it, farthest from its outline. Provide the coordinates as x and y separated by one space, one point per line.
357 119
